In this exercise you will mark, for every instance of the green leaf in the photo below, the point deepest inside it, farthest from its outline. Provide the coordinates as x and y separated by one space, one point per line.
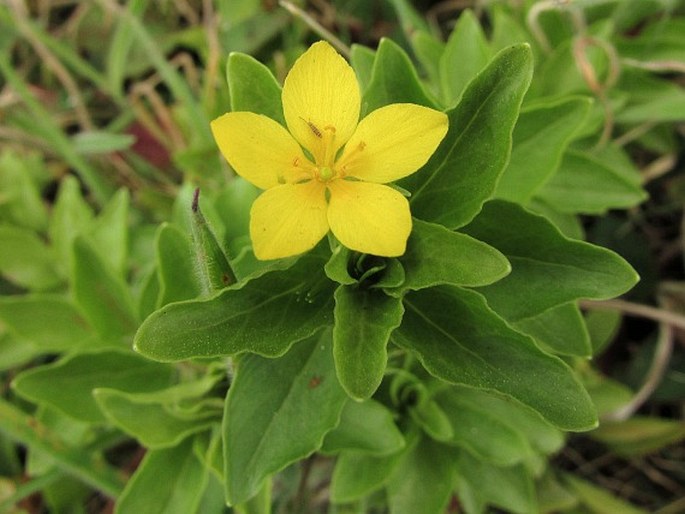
277 412
362 59
463 172
168 481
364 319
482 432
70 217
458 338
598 500
436 255
357 474
466 53
214 271
480 484
253 87
175 266
20 199
393 80
639 435
265 315
101 142
25 260
590 184
154 422
650 99
542 436
423 479
50 322
79 374
602 326
428 51
542 133
547 268
101 295
365 426
109 232
559 330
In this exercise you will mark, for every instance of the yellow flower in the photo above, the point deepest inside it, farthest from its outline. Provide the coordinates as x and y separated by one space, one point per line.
336 182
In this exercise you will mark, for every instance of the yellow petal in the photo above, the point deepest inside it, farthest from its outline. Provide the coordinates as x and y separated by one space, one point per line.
392 142
321 101
369 218
259 149
288 220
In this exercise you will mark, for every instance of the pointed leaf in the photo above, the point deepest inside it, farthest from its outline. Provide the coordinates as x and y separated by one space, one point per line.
50 322
459 339
364 319
79 374
109 232
510 488
463 172
253 87
154 423
423 479
265 315
365 426
590 184
169 481
393 80
25 260
436 255
560 330
298 400
175 267
542 133
466 53
547 268
357 474
101 294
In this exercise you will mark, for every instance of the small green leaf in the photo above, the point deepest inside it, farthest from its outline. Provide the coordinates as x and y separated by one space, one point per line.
482 432
362 59
436 255
214 271
480 484
650 99
21 203
598 500
432 419
364 319
428 51
466 53
277 412
357 474
26 261
153 423
393 80
70 217
423 479
168 481
547 268
109 232
365 426
79 374
559 330
175 267
253 87
639 435
265 315
101 295
101 142
590 184
459 339
463 172
541 135
50 322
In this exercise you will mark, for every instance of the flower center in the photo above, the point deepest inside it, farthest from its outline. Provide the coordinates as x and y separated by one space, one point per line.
326 173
